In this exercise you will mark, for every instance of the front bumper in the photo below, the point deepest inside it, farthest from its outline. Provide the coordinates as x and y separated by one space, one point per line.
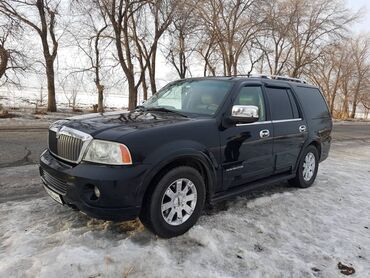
118 185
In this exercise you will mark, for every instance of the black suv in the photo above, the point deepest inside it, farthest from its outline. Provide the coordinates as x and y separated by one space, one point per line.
197 140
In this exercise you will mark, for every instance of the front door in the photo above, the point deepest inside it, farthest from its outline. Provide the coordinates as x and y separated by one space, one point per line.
247 149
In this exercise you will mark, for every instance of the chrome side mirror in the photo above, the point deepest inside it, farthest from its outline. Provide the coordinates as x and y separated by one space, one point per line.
245 113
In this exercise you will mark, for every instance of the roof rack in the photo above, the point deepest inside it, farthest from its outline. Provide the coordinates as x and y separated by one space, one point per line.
276 77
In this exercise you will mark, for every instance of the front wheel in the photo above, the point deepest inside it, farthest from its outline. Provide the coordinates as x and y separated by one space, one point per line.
307 168
175 203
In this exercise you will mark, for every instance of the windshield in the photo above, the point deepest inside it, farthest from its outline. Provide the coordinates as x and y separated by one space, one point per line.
191 96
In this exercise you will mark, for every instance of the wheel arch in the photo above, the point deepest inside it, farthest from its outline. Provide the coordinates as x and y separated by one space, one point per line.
317 145
314 142
197 160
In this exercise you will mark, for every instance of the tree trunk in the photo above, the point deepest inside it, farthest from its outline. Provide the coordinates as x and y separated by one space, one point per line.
52 106
145 90
366 113
344 110
153 85
3 60
100 98
332 103
355 98
132 92
354 108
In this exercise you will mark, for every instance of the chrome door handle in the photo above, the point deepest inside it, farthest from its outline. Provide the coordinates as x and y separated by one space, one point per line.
264 133
302 128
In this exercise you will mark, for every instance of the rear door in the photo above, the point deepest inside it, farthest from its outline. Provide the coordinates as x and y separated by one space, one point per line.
290 129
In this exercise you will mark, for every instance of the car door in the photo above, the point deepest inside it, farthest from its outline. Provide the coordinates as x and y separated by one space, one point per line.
290 129
246 148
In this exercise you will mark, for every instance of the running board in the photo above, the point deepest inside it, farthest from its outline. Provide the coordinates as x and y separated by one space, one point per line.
242 189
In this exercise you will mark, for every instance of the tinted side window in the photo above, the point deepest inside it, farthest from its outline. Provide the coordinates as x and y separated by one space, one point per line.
313 102
280 106
293 103
252 95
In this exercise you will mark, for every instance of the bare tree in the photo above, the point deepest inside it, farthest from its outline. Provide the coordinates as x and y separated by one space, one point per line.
124 16
207 50
360 48
365 100
162 12
13 60
183 40
89 38
315 24
329 71
233 24
44 26
71 85
342 72
274 40
4 57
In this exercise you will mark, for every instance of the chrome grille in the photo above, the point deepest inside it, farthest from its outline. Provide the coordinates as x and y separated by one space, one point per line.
56 184
69 147
67 143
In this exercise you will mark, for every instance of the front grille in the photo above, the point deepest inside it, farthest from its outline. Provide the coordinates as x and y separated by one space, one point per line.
69 147
65 146
54 183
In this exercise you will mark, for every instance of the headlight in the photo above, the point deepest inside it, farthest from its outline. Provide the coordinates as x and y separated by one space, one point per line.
108 153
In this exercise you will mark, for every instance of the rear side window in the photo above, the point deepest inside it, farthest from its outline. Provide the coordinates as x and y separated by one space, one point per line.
282 104
313 103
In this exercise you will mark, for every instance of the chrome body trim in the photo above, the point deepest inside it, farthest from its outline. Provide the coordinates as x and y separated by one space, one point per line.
302 128
255 123
235 168
264 133
287 120
245 111
271 122
74 133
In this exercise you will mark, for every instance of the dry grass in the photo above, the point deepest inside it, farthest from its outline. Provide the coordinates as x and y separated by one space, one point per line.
4 114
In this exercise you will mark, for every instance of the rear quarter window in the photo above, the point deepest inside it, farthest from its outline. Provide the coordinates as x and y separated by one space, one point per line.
313 102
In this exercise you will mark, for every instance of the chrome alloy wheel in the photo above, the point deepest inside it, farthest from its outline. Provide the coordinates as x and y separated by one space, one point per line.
179 201
309 166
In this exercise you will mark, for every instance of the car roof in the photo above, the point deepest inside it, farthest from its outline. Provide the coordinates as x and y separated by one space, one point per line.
282 80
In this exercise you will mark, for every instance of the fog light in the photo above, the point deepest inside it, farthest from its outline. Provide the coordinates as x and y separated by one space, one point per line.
96 191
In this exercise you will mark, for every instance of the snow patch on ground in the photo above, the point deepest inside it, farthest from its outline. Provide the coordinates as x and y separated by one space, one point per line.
278 232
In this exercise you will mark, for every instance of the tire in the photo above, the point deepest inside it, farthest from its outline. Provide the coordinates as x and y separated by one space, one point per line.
304 179
169 212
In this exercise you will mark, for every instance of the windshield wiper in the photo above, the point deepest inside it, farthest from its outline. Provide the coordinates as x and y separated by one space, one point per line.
140 107
163 109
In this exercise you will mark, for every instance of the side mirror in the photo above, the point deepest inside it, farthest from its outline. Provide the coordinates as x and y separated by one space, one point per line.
244 113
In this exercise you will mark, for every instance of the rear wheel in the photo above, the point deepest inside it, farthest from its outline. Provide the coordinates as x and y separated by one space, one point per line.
175 203
307 168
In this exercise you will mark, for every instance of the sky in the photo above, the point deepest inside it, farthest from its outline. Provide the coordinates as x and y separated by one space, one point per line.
166 73
364 6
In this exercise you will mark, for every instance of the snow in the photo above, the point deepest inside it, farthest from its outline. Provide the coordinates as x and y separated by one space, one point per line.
14 97
277 232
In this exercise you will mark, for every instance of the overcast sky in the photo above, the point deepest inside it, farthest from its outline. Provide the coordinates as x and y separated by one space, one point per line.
364 6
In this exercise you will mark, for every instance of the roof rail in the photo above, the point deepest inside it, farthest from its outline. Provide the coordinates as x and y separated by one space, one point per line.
276 77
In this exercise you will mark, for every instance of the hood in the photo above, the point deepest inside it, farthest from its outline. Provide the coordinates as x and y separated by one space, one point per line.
117 124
